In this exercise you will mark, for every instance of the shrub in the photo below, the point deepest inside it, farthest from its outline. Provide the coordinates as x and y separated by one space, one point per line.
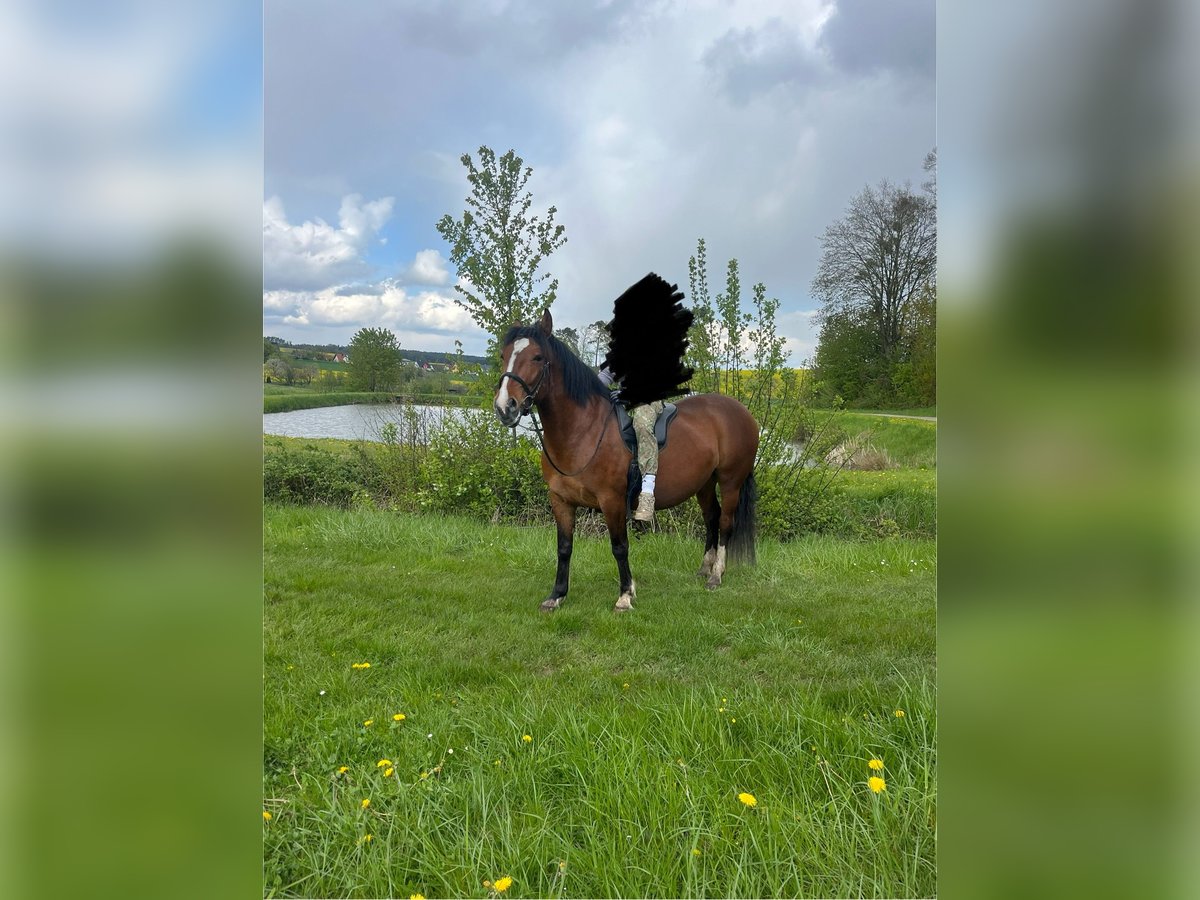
475 465
310 474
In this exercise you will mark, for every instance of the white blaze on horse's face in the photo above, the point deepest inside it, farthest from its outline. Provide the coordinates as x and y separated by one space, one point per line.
502 399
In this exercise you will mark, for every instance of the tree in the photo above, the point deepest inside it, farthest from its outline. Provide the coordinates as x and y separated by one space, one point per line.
877 259
374 359
594 342
279 370
570 337
498 247
269 349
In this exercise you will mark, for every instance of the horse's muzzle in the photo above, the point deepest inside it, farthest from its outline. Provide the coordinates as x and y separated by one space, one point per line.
508 415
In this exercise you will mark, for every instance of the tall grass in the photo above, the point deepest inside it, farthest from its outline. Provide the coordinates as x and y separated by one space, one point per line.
643 728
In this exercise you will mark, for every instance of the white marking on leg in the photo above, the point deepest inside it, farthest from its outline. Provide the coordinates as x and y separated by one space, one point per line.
710 557
718 569
518 345
624 602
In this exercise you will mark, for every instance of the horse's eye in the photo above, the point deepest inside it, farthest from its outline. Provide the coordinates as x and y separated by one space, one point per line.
537 358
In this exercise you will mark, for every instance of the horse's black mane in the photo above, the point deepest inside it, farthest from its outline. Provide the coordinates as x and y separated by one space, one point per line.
579 381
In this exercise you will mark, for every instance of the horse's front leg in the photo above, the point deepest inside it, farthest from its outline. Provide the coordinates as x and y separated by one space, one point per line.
564 516
614 516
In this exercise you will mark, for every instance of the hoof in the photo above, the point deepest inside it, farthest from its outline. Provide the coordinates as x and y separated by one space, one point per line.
703 572
713 582
624 603
551 604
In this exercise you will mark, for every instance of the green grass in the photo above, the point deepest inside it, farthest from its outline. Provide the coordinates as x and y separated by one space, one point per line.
911 443
632 765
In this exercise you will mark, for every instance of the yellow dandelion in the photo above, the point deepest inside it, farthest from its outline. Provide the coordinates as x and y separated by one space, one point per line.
365 803
527 738
497 762
733 720
899 714
416 897
266 816
387 773
362 665
342 770
625 686
368 723
424 775
876 764
502 884
695 851
876 784
748 799
722 709
382 763
367 838
399 717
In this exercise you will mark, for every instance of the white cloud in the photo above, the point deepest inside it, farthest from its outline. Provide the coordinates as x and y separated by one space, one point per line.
313 254
428 267
427 316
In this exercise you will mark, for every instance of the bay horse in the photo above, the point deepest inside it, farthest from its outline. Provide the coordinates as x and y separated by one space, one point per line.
711 445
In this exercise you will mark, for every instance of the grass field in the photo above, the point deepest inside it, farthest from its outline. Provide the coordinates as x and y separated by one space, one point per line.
643 729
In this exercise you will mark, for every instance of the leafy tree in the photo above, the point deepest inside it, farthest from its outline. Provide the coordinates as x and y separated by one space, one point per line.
269 349
702 351
848 361
498 247
374 359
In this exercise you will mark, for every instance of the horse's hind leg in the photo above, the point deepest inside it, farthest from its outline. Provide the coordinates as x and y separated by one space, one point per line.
564 516
730 494
710 511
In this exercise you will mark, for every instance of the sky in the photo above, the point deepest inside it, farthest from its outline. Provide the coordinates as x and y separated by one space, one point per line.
648 125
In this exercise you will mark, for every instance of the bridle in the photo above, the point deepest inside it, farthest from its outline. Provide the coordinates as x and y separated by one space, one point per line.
530 393
527 409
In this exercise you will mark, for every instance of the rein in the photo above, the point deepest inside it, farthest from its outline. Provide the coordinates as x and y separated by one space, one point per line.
537 427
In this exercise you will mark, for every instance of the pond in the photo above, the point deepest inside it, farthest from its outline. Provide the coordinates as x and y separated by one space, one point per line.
358 422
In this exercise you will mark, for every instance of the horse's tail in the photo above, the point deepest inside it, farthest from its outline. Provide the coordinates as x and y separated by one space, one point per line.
745 523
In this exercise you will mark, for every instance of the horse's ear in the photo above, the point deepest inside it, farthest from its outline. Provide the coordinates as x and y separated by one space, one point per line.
546 323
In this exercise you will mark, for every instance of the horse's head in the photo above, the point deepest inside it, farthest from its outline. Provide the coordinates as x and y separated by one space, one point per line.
526 358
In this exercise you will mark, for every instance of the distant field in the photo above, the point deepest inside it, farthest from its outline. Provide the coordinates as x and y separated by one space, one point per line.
642 729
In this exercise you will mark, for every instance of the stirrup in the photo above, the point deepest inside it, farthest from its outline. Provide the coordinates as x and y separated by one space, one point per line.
645 508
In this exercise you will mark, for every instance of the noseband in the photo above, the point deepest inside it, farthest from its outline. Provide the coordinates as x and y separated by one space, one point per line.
530 392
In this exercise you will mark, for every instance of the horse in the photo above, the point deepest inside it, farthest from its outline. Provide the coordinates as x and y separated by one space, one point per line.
585 463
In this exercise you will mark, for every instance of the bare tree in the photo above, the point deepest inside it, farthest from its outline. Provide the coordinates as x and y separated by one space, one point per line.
878 258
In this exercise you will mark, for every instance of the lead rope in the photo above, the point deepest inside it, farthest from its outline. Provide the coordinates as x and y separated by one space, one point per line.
537 428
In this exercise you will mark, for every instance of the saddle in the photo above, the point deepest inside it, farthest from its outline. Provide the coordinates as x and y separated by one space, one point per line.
660 426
